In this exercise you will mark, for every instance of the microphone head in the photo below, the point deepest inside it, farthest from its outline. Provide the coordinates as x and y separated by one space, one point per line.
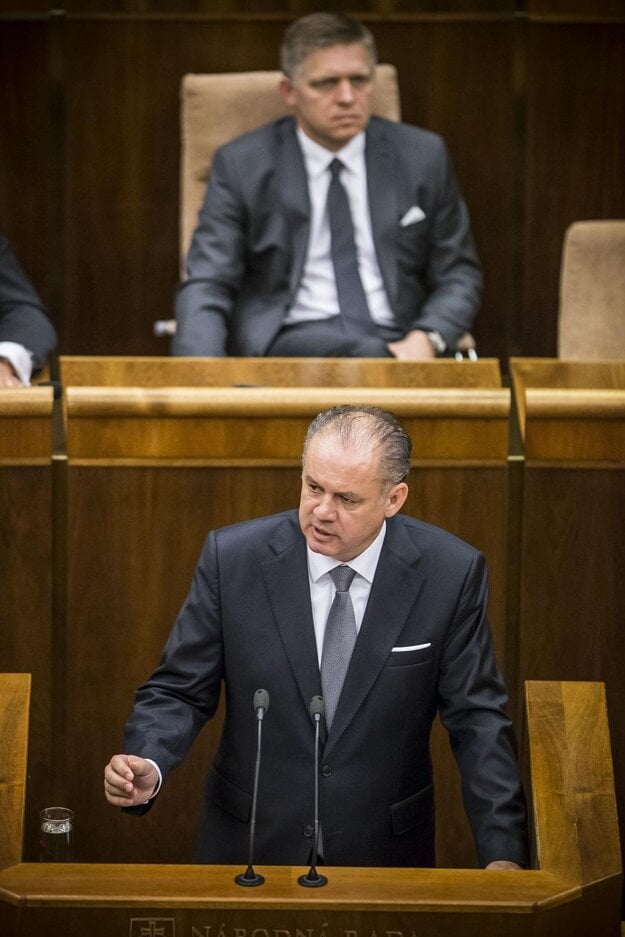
317 707
261 700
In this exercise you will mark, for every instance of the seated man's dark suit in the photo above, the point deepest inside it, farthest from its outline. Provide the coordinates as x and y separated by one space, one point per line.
23 319
249 249
248 622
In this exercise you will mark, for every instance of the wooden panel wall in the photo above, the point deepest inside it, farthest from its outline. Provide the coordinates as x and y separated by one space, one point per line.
530 97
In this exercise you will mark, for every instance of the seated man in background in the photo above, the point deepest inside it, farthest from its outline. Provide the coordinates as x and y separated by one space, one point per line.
27 336
331 232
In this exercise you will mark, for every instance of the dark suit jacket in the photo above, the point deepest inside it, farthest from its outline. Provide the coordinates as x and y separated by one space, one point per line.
22 314
248 251
248 621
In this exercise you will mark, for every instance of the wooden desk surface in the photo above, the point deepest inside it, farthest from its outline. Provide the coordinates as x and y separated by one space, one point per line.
271 422
366 889
570 411
94 371
25 425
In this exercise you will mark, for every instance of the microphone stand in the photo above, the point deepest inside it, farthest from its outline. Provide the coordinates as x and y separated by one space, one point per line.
312 878
250 877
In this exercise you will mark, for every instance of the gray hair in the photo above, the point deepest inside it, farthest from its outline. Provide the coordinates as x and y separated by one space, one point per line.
358 426
320 31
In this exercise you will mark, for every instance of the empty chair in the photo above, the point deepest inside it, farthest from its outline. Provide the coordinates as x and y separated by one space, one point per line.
591 319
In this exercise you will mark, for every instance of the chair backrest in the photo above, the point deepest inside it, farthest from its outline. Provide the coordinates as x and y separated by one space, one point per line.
591 318
14 715
217 108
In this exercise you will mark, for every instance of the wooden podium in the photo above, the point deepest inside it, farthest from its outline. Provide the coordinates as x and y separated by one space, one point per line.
574 891
160 451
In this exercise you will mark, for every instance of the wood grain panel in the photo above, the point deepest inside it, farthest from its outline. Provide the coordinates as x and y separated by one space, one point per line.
26 606
26 645
122 86
572 597
14 716
238 423
573 788
26 425
573 781
592 10
571 411
25 159
575 154
159 371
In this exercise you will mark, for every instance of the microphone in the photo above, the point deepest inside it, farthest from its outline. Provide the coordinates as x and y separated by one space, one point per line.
250 877
313 879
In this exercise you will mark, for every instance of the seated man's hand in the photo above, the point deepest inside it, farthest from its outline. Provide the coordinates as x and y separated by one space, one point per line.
129 780
8 377
412 347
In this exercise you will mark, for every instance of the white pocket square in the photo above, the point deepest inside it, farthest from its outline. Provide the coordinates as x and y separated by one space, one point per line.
413 215
412 647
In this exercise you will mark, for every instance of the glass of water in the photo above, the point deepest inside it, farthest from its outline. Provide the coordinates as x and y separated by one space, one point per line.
56 835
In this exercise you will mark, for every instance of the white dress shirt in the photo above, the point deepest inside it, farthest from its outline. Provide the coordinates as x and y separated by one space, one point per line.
316 297
19 358
322 588
322 591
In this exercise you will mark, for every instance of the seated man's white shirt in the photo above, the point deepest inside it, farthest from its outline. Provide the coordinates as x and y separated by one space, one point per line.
19 358
316 297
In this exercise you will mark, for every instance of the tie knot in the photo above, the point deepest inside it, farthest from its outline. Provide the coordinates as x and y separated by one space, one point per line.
335 169
342 577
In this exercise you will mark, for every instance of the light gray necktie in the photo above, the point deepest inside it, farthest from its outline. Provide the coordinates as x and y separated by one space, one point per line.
338 641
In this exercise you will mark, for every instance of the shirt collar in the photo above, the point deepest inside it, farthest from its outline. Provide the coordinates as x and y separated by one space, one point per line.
317 158
365 564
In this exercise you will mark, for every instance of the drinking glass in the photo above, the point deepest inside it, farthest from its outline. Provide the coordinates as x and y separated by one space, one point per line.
56 835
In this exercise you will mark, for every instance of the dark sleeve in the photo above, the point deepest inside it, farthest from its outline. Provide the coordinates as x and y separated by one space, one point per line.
215 266
183 692
23 317
453 275
472 706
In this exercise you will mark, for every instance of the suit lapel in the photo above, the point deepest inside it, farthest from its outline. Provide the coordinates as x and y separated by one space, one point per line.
383 202
293 188
394 591
286 580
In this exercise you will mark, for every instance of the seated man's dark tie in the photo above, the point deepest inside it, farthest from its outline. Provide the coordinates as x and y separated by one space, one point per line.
351 294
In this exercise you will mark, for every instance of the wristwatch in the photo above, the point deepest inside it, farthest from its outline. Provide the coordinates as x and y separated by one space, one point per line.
437 342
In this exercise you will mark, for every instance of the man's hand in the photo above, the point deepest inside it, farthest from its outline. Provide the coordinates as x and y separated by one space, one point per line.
412 347
129 780
8 377
503 864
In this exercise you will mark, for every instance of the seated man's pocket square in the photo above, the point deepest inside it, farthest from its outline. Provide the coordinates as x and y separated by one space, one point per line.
413 215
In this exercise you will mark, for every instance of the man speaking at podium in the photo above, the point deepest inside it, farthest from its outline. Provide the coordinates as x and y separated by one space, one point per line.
412 631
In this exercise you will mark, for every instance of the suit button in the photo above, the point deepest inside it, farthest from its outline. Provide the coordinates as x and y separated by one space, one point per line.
326 771
308 831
